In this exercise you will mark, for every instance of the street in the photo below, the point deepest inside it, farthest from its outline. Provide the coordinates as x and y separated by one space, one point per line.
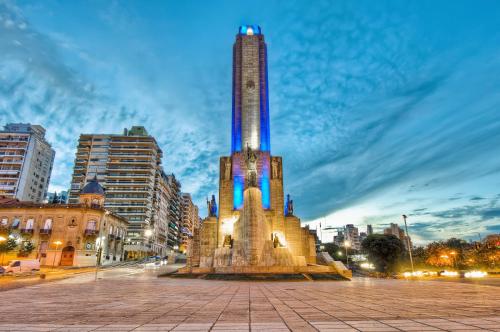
134 298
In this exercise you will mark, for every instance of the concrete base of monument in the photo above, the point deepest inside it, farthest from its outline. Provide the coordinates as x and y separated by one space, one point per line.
310 272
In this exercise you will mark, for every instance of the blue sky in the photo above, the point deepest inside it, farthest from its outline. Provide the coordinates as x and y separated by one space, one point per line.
378 108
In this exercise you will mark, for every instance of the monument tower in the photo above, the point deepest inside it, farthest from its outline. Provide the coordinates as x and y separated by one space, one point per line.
252 230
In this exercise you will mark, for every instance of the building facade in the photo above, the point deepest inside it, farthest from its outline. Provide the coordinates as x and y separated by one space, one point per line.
352 236
77 234
174 239
26 160
129 167
190 220
398 232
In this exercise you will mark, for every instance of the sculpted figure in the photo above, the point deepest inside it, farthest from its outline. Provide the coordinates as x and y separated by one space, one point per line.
227 173
251 163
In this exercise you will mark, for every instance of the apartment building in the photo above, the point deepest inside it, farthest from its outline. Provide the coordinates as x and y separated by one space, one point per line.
174 212
26 160
190 219
129 168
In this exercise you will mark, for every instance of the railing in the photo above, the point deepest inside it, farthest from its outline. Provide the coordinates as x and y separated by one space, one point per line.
45 231
27 230
90 232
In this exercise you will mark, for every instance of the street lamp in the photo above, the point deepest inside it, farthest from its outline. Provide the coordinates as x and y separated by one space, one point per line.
408 243
57 243
347 244
101 241
453 254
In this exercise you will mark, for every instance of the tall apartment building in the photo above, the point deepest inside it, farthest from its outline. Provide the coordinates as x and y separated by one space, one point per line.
190 219
174 213
352 236
129 168
26 161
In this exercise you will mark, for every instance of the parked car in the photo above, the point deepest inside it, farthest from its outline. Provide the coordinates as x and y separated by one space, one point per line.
22 266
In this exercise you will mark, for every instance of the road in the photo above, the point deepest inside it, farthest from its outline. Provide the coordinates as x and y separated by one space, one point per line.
134 299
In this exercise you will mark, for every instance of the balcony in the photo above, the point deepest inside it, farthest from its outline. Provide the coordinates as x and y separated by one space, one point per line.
91 232
111 236
27 231
45 231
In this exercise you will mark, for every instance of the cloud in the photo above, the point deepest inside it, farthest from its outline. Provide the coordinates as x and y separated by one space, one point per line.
371 106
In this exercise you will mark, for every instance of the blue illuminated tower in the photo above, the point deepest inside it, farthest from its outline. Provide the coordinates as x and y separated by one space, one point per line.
250 125
250 116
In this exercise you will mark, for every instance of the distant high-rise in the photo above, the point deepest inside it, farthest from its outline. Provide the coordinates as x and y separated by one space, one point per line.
129 168
369 229
352 235
395 230
190 218
26 161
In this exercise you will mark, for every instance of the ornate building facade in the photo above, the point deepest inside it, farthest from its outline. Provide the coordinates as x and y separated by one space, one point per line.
65 234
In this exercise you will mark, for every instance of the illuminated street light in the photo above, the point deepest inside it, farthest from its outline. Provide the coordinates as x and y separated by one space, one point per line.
101 241
347 244
148 232
408 243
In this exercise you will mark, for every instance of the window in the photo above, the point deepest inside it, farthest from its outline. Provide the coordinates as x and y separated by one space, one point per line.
91 225
29 223
48 224
110 229
4 221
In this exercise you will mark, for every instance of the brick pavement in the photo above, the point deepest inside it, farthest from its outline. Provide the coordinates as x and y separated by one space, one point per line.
139 303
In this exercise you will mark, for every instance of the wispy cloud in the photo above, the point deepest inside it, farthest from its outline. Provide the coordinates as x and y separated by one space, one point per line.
376 109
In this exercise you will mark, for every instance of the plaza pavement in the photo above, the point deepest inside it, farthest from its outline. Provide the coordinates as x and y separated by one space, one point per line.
131 300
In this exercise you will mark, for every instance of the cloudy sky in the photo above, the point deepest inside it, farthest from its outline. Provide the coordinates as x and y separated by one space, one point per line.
378 108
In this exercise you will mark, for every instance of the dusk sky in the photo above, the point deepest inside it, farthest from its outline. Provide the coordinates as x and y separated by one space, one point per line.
379 108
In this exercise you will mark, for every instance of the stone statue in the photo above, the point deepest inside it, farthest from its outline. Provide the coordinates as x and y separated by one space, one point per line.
251 163
275 169
212 207
227 173
288 206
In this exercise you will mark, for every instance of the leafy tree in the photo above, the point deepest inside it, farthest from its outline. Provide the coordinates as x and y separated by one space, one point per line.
26 248
383 251
8 245
333 250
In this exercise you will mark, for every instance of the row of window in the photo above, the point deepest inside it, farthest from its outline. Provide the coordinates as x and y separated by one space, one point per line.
30 223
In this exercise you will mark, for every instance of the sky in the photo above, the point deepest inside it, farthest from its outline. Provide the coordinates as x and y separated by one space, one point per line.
379 108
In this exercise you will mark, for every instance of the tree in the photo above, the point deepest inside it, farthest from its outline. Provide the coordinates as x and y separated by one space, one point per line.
383 251
333 250
26 248
6 246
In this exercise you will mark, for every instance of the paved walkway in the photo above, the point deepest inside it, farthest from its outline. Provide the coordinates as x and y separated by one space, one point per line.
138 301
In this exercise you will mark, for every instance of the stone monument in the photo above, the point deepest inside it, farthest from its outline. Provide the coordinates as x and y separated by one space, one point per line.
253 231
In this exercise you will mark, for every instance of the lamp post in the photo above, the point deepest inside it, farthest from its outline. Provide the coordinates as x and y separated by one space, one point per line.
2 239
101 241
408 243
454 255
347 244
57 243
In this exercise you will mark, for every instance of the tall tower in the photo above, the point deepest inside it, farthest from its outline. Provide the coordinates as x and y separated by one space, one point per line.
250 92
250 131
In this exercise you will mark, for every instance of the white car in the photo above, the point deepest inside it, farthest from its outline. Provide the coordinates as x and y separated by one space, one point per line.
22 266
